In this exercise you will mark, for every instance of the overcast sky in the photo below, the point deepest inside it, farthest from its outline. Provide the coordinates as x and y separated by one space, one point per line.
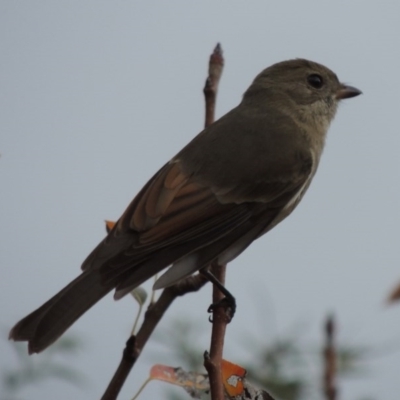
95 96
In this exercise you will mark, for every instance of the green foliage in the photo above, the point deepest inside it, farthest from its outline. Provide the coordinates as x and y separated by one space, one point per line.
280 368
181 339
349 360
284 366
50 365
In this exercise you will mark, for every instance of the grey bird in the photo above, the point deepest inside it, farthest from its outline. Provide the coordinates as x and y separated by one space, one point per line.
231 184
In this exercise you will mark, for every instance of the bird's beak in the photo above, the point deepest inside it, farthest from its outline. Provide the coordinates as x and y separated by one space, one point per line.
346 92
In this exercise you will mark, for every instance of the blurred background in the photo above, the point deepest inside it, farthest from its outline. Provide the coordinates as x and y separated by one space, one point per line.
95 96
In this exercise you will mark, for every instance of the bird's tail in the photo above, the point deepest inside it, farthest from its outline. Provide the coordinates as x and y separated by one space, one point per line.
46 324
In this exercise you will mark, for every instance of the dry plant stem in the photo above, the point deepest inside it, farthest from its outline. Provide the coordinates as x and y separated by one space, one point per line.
212 361
394 295
330 361
210 90
135 344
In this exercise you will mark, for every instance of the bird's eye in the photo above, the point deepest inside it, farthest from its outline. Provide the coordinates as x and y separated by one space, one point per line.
315 81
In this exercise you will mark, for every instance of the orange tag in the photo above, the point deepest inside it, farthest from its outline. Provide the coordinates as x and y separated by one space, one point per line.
232 376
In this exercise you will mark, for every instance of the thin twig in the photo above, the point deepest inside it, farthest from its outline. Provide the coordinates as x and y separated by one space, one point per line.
212 360
154 313
220 319
210 90
329 380
394 295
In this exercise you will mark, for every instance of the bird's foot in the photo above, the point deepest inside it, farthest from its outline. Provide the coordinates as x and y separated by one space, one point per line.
228 303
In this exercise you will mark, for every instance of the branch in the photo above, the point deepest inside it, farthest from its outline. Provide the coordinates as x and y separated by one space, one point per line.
154 313
329 379
220 319
212 360
210 90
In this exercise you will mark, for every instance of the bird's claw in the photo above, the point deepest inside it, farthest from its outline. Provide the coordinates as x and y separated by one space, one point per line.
229 306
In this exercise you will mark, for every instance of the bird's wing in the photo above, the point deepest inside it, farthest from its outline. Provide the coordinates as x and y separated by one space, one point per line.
174 215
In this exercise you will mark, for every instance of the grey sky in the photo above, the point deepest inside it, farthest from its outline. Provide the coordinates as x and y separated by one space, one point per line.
95 96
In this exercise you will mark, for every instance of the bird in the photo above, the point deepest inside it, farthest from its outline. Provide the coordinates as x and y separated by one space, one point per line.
235 181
